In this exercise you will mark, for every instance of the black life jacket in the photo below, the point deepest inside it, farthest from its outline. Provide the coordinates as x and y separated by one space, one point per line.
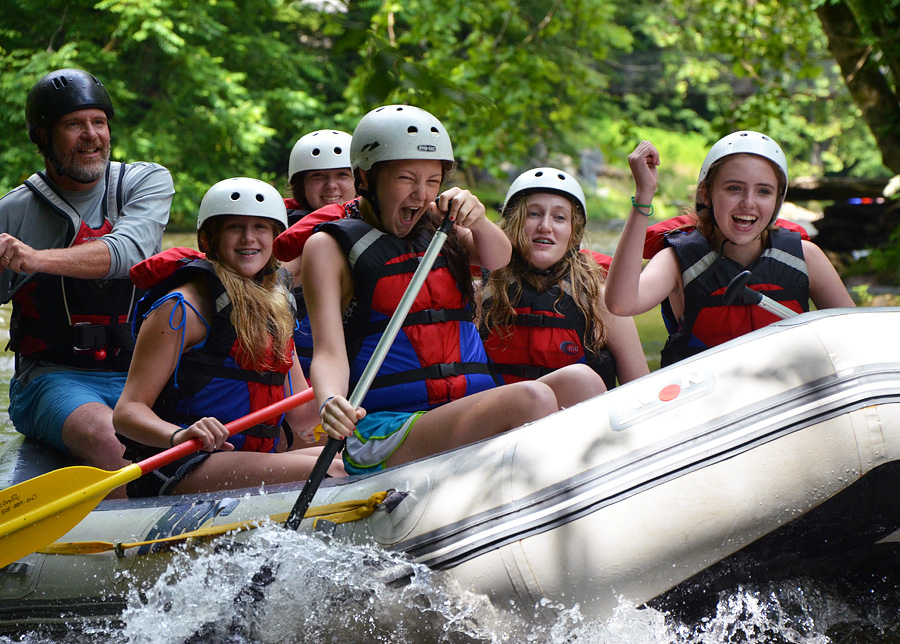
76 322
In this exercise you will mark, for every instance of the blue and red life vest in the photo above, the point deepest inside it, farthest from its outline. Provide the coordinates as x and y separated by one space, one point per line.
79 323
437 356
549 332
213 378
780 272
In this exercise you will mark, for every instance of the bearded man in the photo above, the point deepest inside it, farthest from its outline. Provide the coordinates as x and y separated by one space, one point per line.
68 237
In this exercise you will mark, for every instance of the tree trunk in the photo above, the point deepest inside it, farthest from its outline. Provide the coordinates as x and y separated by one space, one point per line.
870 90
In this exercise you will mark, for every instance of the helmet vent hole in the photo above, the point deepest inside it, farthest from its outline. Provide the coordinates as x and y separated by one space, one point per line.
59 82
561 178
260 198
338 151
539 174
434 130
316 152
412 129
235 196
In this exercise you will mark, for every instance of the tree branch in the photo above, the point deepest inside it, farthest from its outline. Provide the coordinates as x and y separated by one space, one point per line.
869 88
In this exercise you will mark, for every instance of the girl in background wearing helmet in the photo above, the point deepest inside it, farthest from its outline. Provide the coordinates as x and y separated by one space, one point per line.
214 343
319 173
544 310
741 187
434 390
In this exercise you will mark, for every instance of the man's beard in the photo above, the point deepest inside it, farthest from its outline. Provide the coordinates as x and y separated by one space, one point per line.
78 170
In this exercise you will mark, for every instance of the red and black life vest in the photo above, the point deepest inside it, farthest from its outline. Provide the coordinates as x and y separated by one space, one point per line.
780 272
208 380
295 212
437 356
548 333
288 245
79 323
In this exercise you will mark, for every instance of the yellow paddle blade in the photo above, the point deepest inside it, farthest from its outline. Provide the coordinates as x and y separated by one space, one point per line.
40 510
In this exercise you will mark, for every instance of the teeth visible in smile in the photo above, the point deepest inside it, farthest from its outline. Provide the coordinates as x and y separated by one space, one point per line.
543 241
247 252
745 218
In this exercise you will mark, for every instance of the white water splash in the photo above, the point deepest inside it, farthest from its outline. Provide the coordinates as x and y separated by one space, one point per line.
333 592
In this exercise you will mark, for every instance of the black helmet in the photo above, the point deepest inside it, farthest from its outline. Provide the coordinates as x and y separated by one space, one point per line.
61 92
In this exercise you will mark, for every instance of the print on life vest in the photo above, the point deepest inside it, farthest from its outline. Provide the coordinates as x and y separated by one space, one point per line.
570 348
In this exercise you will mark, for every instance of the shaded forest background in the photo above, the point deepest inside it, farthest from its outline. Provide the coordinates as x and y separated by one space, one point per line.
224 88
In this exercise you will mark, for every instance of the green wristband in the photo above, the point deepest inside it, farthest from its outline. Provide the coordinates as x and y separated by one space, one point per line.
638 206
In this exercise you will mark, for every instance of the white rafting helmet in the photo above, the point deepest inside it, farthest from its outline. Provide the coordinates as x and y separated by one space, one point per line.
545 179
747 142
242 196
320 150
395 132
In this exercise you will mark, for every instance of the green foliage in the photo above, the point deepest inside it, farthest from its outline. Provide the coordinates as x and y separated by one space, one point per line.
508 80
209 90
221 88
765 66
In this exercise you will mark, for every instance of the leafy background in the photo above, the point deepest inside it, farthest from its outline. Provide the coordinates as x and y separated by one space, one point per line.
224 88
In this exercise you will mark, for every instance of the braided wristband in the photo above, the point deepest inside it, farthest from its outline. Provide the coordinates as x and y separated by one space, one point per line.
322 406
638 206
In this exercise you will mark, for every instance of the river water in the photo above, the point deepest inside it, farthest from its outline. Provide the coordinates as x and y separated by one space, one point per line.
327 592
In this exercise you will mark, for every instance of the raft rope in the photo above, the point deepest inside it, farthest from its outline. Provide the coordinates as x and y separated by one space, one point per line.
343 512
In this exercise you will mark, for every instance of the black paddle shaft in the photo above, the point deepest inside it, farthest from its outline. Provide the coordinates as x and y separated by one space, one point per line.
320 469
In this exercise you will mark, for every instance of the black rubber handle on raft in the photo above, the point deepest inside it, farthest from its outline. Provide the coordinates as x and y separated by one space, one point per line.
738 288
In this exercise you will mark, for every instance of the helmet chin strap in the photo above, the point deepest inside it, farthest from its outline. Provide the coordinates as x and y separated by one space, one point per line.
369 195
712 216
373 201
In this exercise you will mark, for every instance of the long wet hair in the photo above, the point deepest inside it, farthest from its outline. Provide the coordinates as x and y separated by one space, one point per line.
703 213
576 274
260 311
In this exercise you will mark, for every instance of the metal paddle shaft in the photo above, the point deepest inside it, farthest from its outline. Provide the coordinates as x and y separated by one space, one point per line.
40 510
738 288
333 446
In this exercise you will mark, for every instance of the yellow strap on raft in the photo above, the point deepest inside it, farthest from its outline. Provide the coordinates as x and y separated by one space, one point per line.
343 512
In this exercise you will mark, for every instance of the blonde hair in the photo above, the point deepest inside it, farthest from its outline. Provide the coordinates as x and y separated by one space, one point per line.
260 312
576 274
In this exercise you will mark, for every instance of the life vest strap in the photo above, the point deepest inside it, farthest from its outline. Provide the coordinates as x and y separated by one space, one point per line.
543 321
434 372
270 378
529 372
426 316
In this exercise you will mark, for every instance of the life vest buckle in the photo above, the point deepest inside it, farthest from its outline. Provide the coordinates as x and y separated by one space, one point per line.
447 369
87 337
